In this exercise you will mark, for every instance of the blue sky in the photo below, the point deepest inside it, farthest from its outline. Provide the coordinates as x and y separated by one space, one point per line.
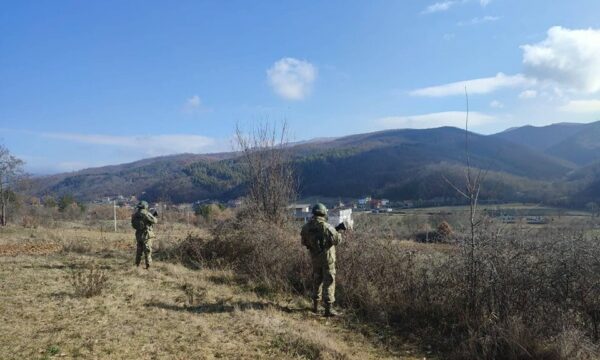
87 83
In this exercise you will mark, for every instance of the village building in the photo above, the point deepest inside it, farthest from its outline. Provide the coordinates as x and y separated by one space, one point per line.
302 212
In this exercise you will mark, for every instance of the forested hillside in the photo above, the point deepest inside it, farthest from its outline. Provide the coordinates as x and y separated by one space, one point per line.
397 164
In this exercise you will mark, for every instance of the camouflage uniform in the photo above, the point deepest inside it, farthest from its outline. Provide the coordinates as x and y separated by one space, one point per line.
143 235
320 239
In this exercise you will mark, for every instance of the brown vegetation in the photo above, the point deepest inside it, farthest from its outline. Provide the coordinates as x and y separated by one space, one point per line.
532 288
169 312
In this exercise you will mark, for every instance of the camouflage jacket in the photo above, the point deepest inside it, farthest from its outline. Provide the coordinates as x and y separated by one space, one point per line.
319 237
148 220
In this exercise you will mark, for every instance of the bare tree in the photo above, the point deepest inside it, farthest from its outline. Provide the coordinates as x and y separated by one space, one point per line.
472 188
11 170
268 169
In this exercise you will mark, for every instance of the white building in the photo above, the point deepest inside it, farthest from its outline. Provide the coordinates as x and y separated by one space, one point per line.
300 211
364 202
337 216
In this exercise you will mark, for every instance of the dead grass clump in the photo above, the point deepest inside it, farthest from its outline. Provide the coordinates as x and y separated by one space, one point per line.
77 247
193 293
89 280
573 344
305 348
510 340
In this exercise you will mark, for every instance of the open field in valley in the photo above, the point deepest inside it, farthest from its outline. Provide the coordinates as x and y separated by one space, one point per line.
168 312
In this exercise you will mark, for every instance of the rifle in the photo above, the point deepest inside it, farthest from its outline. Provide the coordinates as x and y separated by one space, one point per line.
153 211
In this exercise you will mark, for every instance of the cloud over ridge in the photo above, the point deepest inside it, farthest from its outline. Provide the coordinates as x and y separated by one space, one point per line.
432 120
474 86
150 145
569 58
292 79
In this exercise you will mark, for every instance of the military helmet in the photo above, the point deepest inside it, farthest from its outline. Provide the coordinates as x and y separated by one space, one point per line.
319 209
142 205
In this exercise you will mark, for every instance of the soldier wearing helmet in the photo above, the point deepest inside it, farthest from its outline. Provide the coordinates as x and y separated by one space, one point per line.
142 221
320 239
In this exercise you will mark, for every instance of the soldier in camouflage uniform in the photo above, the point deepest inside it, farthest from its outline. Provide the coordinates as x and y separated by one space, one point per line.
320 239
142 221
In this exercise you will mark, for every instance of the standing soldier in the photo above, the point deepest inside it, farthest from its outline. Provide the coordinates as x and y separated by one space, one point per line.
142 221
320 239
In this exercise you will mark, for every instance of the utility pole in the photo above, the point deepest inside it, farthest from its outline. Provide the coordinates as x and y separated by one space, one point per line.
115 213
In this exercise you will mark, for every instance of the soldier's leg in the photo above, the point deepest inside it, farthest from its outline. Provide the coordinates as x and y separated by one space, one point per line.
329 290
148 252
317 283
138 252
329 286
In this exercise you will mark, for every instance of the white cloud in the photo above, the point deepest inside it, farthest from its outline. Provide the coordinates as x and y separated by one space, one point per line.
528 94
148 145
194 102
474 86
193 105
569 58
496 104
479 20
291 78
485 3
581 106
426 121
438 7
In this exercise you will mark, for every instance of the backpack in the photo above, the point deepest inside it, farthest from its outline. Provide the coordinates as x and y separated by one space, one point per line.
137 221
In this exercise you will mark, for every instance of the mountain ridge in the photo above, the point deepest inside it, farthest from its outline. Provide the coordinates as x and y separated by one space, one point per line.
385 163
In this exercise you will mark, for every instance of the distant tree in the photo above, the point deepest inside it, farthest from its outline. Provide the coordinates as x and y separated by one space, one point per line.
65 201
35 201
49 201
11 171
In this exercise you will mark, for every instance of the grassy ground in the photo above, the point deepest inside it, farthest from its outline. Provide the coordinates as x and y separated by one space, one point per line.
168 312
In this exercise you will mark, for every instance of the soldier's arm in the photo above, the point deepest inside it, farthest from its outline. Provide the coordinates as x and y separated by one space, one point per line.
334 236
304 237
150 218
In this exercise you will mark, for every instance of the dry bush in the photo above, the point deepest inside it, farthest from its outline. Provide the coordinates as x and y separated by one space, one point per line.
89 280
264 252
444 230
530 285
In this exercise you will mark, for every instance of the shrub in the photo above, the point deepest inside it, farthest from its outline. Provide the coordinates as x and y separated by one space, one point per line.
530 285
88 281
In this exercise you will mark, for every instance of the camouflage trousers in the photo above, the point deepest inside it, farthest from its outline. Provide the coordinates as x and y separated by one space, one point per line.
323 278
144 247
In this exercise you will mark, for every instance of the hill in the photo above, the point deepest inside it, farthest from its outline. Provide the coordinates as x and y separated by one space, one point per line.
392 163
540 138
143 176
578 144
581 148
387 163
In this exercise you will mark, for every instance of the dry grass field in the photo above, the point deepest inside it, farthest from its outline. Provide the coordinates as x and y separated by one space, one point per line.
168 312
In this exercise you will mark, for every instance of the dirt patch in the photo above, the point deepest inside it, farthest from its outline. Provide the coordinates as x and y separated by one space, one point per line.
29 249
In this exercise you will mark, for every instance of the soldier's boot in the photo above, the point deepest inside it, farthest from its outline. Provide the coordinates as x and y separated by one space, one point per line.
329 311
315 306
